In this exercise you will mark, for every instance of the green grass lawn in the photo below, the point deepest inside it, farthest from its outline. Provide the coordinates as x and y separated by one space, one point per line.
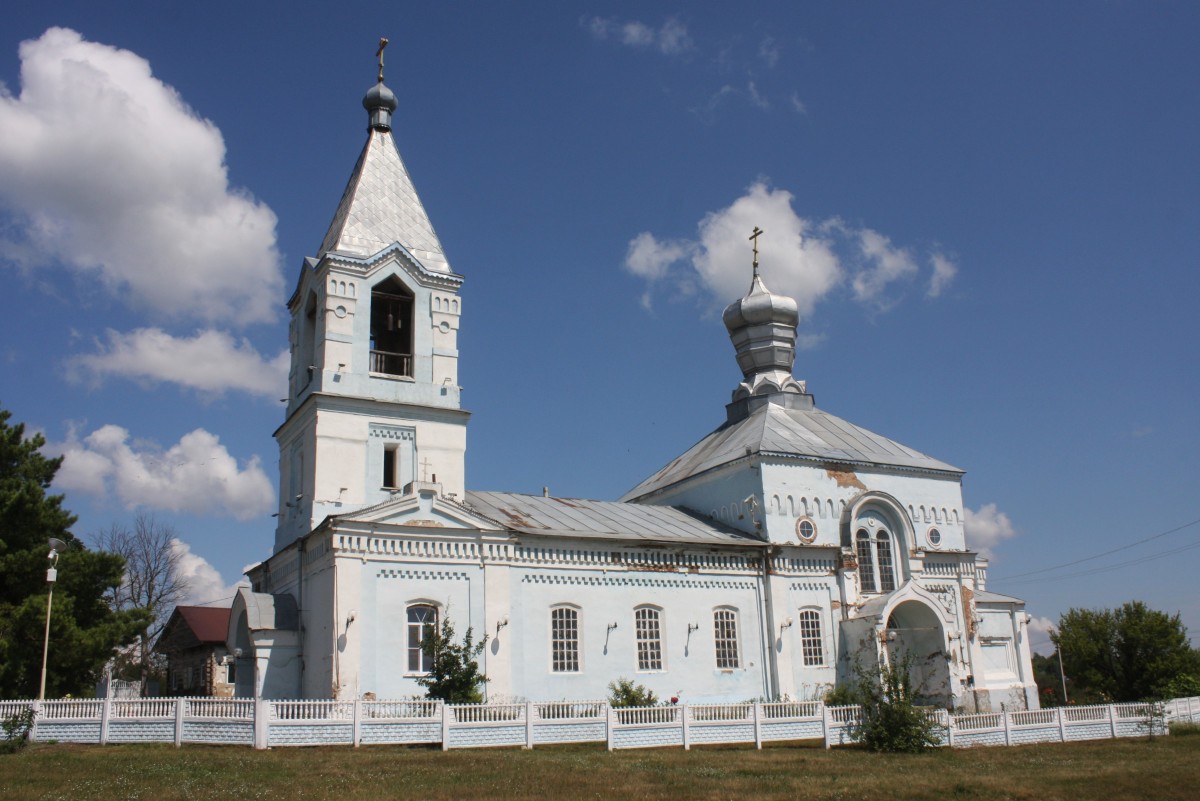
1165 768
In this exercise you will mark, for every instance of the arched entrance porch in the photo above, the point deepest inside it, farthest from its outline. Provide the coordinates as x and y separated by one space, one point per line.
916 637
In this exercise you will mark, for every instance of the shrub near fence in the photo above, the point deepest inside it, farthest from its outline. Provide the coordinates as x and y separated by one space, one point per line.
266 723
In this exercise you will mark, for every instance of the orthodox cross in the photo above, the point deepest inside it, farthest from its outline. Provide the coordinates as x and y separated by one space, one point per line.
425 469
754 238
383 43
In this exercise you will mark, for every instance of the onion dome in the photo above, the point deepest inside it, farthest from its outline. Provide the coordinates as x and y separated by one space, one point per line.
762 327
380 103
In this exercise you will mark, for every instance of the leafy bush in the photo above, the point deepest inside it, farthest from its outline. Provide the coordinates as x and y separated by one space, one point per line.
16 731
841 695
890 721
624 693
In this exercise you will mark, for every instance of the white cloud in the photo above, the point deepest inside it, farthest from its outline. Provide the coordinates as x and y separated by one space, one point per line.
196 475
211 362
649 258
944 271
204 582
755 97
885 264
798 104
111 174
794 259
987 528
670 39
768 51
1040 629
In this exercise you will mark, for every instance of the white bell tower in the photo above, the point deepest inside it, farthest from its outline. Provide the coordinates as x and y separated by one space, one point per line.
373 394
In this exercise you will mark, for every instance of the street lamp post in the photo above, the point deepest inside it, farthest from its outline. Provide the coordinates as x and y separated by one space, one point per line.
56 545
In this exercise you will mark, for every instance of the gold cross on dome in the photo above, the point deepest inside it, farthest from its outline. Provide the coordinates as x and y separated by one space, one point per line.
383 43
754 238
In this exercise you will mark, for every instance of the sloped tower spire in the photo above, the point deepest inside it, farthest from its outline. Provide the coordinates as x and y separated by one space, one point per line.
380 205
762 327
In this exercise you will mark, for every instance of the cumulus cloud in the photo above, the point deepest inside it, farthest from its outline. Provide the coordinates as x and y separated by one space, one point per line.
205 585
1040 629
197 474
671 38
805 259
944 271
884 264
211 362
987 528
107 172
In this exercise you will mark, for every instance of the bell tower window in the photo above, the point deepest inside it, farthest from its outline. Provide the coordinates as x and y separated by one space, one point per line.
391 329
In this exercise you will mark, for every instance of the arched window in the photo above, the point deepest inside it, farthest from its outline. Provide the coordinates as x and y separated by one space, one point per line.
647 625
812 643
422 619
876 561
725 636
564 639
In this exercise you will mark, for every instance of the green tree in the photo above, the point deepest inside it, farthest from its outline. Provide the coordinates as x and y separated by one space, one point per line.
84 629
454 675
1133 653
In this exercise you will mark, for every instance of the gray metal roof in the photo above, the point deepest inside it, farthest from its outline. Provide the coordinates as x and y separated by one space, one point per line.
773 430
380 206
574 517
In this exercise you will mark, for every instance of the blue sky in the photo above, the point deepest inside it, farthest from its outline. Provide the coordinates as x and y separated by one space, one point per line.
988 214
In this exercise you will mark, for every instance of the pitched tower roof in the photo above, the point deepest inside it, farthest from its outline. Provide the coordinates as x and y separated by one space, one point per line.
380 205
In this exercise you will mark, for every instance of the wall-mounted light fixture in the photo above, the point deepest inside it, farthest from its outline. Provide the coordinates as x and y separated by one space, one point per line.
787 624
501 623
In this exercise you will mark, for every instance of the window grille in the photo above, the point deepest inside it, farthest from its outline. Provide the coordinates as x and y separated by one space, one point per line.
422 619
811 643
649 638
725 631
564 639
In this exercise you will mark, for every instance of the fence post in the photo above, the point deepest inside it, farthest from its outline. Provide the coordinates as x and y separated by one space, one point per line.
826 719
260 724
105 713
36 706
758 725
445 726
1062 724
1112 720
950 729
179 707
356 732
683 711
529 724
609 720
1007 729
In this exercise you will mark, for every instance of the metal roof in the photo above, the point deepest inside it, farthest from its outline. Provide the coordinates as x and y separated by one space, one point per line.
575 517
380 206
773 430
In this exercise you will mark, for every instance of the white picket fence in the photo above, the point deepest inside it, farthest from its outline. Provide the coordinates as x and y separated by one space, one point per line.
265 723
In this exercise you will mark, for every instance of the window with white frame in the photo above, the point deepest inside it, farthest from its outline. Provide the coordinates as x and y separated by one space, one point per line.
422 618
725 636
647 625
564 639
812 644
876 560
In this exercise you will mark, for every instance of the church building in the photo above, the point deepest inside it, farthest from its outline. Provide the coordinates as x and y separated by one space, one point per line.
764 562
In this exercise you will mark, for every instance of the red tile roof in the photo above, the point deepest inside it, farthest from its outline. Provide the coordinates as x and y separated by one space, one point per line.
209 624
